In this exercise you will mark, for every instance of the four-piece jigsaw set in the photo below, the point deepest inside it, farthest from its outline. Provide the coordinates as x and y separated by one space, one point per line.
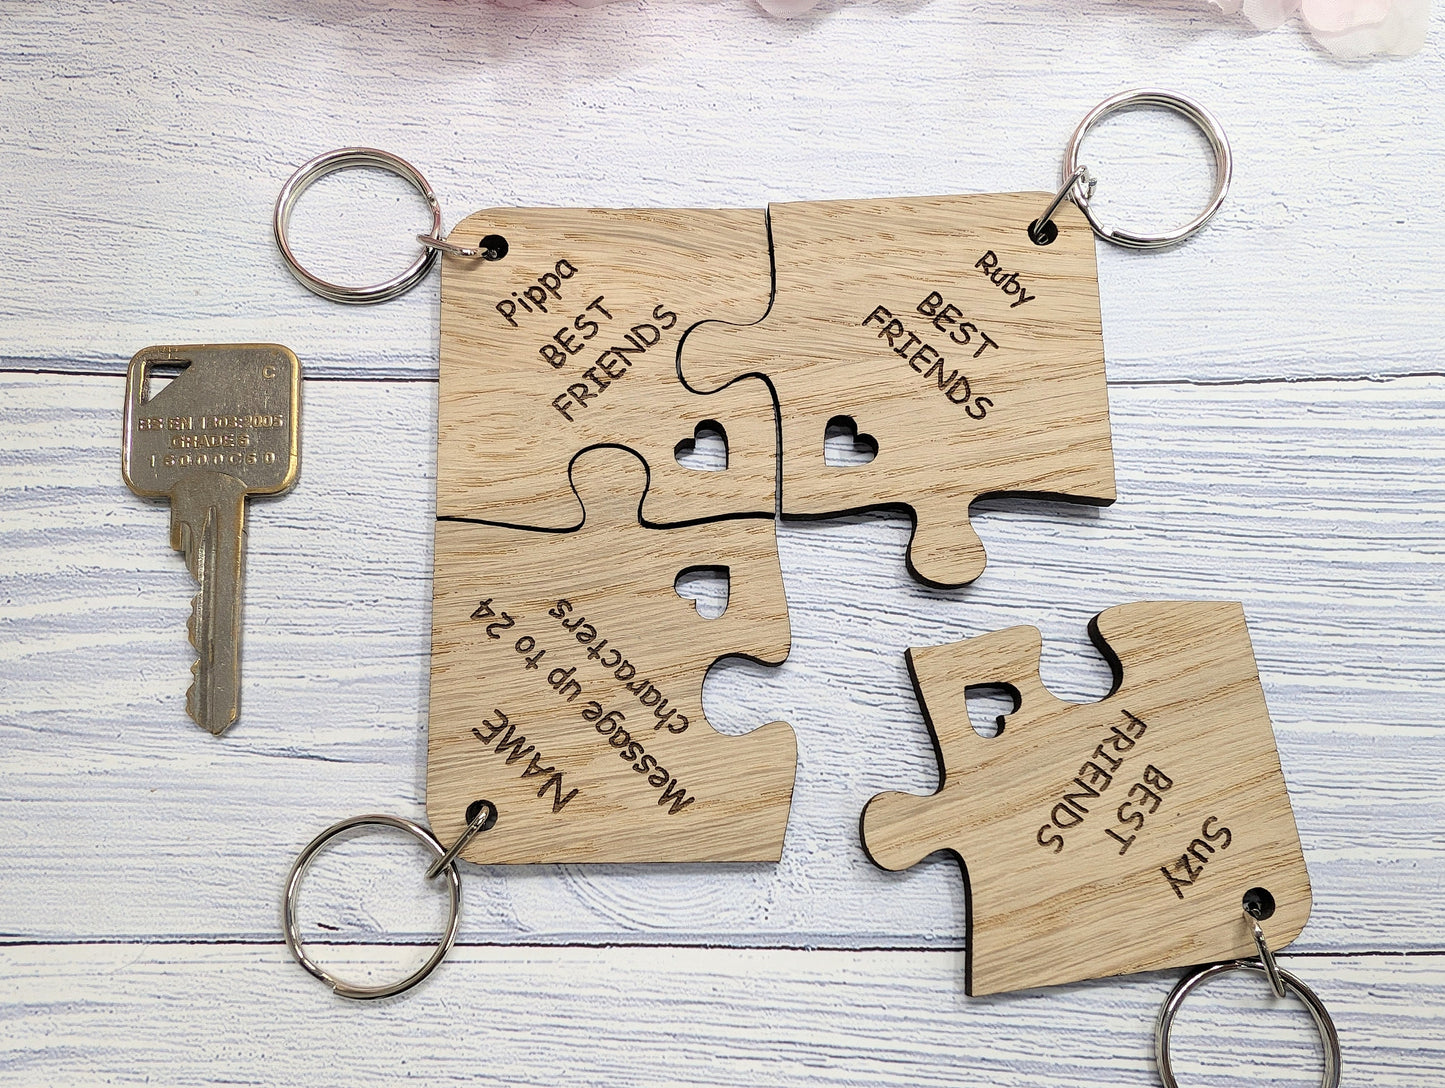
583 352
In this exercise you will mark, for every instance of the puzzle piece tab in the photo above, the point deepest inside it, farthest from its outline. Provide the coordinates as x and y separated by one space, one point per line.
566 685
972 359
570 340
1105 838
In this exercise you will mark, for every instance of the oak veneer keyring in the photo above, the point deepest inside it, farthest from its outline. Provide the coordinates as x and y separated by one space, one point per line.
521 401
958 338
1149 830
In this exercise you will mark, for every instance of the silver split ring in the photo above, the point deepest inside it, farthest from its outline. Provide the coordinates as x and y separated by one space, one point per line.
293 887
1321 1016
1076 187
342 159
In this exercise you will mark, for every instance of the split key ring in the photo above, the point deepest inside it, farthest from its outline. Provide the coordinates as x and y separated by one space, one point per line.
1282 982
491 248
1078 183
480 817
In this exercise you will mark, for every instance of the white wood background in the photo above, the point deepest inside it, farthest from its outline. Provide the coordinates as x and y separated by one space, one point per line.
1277 390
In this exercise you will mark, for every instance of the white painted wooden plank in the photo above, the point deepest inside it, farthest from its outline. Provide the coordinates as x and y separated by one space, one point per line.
143 147
1319 505
187 1015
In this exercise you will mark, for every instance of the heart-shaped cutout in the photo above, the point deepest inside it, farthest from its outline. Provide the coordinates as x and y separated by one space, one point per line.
988 705
706 450
706 587
844 447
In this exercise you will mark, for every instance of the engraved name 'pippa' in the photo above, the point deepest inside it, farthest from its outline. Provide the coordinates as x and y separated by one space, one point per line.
534 298
1007 282
925 359
513 747
1094 777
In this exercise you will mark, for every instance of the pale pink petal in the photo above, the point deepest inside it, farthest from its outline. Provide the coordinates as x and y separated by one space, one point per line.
787 7
1268 14
1337 16
1401 32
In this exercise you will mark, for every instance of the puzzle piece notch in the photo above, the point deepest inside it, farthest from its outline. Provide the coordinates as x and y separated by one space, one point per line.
973 358
570 341
567 677
1069 878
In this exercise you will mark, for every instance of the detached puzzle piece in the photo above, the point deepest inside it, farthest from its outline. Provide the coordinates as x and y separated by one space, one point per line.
1105 838
970 358
566 685
570 340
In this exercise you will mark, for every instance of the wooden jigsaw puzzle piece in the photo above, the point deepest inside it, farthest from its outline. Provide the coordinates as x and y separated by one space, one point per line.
566 685
1111 837
570 340
970 358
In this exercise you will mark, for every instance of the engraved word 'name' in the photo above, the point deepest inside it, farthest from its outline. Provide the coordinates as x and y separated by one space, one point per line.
505 741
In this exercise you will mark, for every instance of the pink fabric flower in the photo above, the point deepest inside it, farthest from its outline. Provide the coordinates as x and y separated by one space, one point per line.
1348 28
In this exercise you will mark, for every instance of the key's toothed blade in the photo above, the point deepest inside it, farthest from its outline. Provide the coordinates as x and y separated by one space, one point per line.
208 526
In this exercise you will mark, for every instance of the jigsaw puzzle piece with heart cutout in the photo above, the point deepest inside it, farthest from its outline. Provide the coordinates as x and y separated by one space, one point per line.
969 358
1112 837
569 340
566 685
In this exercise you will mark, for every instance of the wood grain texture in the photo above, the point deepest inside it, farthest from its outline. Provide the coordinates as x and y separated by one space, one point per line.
1065 880
1269 447
149 148
1284 496
571 340
83 1015
969 358
566 685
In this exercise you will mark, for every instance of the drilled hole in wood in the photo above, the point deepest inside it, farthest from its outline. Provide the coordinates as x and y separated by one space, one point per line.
476 807
706 587
1259 904
1043 234
493 247
706 450
988 706
844 447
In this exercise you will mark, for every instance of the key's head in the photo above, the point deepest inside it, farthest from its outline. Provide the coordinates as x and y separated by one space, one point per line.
227 408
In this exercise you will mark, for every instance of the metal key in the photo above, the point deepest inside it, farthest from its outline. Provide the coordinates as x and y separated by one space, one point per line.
226 426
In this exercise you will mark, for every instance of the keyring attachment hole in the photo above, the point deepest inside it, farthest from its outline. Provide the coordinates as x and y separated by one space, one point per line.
358 226
493 247
365 909
1043 234
1154 169
1259 904
476 807
1234 1023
